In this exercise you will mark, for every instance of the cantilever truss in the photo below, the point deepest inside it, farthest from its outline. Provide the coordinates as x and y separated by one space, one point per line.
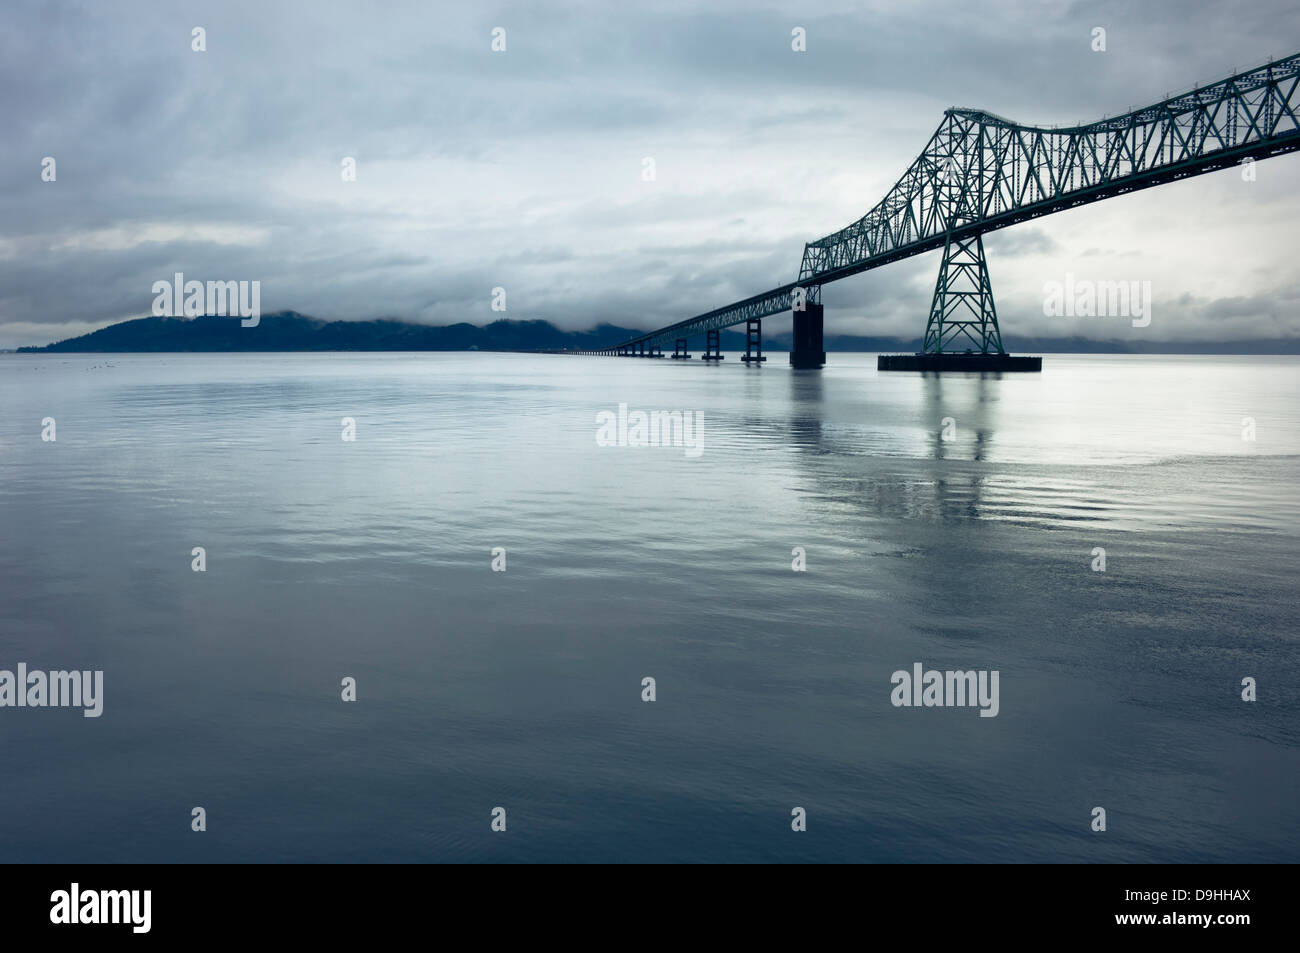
980 172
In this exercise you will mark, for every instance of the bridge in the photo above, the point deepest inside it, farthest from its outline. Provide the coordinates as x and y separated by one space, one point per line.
979 173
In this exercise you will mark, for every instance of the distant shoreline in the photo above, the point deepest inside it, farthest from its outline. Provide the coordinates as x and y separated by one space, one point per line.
290 332
572 353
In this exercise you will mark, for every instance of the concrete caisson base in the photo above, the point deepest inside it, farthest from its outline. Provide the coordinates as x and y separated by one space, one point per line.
958 362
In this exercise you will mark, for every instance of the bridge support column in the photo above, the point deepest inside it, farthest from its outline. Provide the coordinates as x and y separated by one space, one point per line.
655 351
807 350
641 352
754 341
963 319
680 352
962 333
712 348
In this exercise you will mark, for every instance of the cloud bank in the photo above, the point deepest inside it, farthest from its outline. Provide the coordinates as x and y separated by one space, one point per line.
523 169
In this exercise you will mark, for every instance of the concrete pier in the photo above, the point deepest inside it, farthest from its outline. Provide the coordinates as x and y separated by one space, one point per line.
807 350
957 362
712 348
753 342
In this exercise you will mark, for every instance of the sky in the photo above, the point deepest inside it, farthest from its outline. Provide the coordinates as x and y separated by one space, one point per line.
522 168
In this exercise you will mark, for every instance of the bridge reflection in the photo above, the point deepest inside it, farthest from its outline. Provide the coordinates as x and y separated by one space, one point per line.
928 471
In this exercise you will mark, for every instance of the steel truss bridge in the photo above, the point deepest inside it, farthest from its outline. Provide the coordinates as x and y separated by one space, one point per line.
980 172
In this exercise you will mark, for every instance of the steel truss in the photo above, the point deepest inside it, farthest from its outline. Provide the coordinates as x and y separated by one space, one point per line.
980 172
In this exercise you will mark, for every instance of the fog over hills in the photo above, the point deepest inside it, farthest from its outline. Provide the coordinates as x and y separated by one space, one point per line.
291 331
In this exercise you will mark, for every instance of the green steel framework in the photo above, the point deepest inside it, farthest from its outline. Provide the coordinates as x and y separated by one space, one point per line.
980 172
962 315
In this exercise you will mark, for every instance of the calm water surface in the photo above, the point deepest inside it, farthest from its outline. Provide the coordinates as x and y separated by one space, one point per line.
522 688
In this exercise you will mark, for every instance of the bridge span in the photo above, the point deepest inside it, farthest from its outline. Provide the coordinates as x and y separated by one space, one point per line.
979 173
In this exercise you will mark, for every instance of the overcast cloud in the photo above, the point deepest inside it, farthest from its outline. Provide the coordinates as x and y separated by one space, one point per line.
523 169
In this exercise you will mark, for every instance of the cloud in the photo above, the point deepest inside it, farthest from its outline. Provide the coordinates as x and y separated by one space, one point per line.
523 169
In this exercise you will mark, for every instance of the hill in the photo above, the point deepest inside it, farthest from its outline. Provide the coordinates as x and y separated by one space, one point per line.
291 331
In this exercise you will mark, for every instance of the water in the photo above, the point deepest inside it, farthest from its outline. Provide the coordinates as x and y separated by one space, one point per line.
522 689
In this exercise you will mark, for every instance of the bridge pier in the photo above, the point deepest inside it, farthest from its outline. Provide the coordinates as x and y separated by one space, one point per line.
655 351
807 350
962 333
680 351
712 348
754 341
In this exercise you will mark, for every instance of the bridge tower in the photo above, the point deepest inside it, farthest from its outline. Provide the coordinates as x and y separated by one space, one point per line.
962 332
963 318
